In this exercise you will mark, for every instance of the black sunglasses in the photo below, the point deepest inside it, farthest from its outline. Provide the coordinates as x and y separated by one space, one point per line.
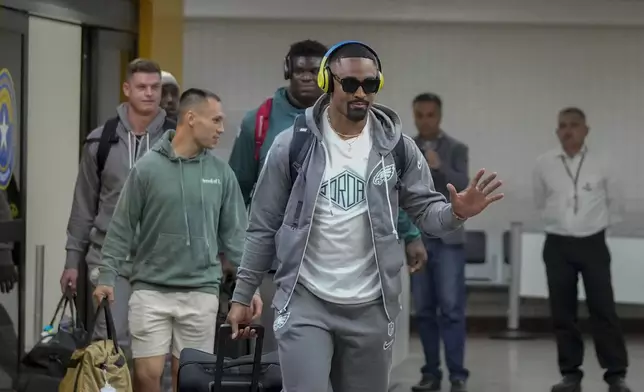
351 84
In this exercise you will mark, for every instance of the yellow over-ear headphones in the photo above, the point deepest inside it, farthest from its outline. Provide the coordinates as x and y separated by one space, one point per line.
325 77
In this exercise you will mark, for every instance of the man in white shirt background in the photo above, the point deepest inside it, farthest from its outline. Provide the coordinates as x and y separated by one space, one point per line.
579 198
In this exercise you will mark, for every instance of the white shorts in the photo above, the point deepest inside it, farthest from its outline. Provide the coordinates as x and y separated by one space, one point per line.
185 320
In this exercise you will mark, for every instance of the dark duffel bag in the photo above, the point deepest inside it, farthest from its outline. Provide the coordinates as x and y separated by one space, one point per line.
204 372
45 365
39 383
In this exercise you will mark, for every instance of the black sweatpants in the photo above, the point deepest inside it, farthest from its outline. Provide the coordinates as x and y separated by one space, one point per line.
566 258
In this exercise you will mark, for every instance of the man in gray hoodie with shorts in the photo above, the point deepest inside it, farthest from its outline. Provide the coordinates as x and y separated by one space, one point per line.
331 190
107 157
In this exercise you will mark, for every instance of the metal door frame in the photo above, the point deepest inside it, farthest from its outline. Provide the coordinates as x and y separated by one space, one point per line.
92 41
15 231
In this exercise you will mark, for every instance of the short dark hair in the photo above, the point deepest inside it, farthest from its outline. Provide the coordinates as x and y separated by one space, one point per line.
573 110
195 96
429 98
353 50
142 66
307 48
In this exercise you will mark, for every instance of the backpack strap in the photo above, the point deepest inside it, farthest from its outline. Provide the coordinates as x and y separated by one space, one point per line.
400 156
108 137
302 140
261 125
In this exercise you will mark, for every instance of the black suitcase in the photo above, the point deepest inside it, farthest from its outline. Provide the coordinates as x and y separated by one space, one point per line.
204 372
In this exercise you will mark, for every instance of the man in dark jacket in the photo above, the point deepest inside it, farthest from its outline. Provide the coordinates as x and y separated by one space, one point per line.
170 92
439 289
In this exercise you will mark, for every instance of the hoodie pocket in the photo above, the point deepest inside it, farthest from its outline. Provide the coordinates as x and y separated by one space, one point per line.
289 249
391 260
173 257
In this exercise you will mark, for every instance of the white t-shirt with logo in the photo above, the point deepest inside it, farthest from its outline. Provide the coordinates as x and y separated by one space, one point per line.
339 263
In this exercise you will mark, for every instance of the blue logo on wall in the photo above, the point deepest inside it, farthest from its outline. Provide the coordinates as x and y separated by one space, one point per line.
7 126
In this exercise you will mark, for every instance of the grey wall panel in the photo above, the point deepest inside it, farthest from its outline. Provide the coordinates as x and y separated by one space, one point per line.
112 14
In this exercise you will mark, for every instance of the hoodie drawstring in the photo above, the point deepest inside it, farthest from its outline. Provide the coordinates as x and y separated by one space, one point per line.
129 150
133 155
183 203
391 212
327 169
203 208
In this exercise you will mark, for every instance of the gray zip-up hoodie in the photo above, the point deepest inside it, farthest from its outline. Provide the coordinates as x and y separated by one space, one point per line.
92 207
280 220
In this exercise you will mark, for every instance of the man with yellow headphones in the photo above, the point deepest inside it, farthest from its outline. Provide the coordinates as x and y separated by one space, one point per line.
331 188
259 128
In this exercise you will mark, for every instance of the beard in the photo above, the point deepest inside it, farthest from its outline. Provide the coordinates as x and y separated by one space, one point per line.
357 114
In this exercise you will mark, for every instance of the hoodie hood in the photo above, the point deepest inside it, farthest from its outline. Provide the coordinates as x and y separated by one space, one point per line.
164 147
386 126
125 132
155 128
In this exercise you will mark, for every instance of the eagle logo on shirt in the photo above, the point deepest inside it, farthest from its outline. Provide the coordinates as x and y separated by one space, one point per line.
384 175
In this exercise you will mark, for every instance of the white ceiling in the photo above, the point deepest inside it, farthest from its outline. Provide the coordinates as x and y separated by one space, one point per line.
553 12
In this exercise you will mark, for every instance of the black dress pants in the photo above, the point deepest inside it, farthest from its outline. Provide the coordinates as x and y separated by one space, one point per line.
565 258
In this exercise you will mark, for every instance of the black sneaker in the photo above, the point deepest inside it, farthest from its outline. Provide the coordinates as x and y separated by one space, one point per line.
427 384
568 384
619 386
459 386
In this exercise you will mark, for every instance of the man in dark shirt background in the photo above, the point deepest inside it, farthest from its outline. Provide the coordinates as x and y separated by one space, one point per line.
170 92
438 289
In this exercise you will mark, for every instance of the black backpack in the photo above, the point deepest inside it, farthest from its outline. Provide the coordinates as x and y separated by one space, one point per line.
303 138
109 137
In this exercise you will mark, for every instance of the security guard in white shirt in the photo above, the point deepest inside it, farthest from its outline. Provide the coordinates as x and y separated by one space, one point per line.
578 200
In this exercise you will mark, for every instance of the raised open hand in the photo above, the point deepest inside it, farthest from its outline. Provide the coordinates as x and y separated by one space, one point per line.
476 197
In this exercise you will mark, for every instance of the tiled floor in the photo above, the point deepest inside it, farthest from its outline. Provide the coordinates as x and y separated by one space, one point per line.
523 366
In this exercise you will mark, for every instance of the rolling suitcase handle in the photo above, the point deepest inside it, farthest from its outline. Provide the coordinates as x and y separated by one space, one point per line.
224 333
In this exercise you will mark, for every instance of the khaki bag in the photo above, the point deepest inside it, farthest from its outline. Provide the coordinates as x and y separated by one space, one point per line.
100 363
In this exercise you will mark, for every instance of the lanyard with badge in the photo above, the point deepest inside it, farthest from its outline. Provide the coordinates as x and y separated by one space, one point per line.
574 179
